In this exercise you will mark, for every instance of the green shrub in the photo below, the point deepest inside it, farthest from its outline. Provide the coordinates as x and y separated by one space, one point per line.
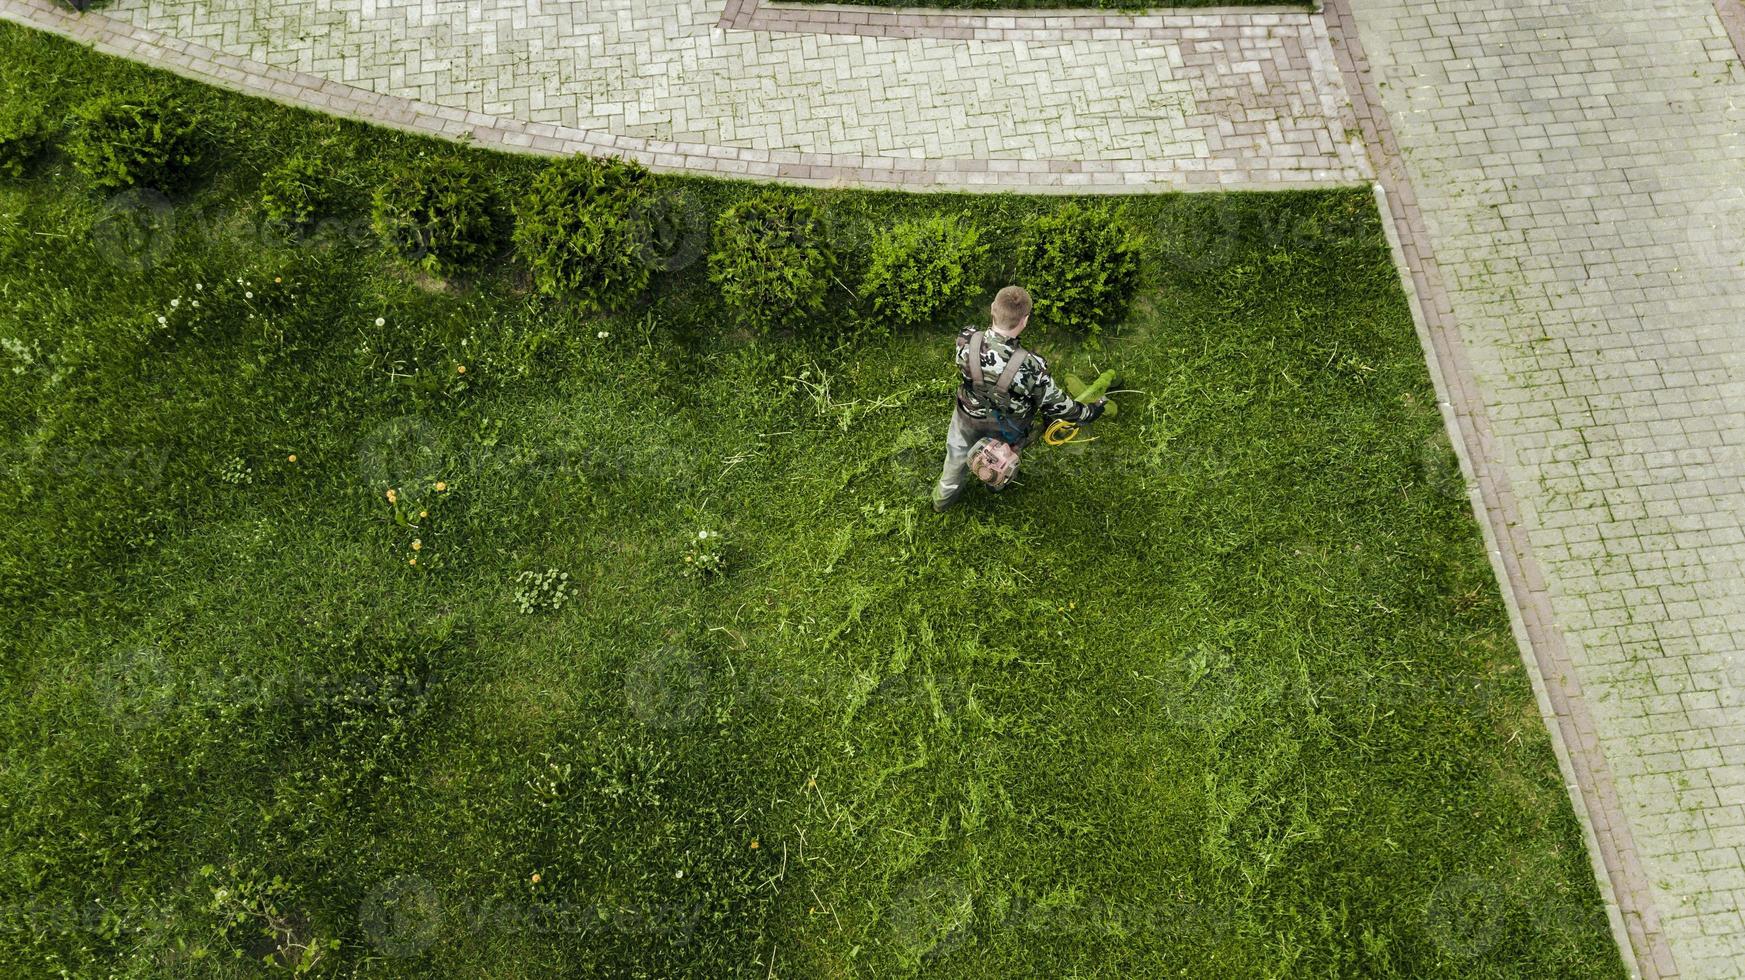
921 270
1081 266
771 261
585 229
297 190
23 133
437 214
136 140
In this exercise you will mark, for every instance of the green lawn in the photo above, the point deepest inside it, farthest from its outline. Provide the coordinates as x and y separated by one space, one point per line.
1228 692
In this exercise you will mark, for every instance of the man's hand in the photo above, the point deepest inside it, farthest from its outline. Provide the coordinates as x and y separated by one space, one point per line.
1096 410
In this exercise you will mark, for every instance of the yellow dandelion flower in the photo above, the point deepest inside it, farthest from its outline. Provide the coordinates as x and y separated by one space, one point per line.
417 545
536 877
291 458
441 486
411 561
423 513
460 369
393 498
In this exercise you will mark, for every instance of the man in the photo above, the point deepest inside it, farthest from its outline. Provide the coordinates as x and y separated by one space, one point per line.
1005 389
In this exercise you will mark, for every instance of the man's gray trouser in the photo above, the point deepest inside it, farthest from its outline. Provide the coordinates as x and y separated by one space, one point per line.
958 440
964 433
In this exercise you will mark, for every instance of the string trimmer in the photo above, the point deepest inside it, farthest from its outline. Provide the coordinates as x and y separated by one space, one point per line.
1060 431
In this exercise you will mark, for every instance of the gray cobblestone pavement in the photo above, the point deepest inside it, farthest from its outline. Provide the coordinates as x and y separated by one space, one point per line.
1116 103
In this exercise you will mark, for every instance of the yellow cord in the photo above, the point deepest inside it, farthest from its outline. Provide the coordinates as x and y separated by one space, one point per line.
1060 432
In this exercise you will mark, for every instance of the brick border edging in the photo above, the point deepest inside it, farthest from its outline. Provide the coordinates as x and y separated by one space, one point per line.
1080 24
1630 902
1732 14
961 175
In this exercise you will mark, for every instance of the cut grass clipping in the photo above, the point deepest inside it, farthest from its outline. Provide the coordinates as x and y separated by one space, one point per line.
359 621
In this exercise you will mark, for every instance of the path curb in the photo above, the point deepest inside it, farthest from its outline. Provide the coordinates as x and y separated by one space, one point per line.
996 25
1732 14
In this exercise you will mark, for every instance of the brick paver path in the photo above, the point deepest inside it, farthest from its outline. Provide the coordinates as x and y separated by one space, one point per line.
1566 178
1111 102
1579 169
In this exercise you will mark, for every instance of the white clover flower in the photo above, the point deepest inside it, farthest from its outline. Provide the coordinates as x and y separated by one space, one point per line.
602 335
248 296
198 287
702 534
175 303
196 303
380 321
163 321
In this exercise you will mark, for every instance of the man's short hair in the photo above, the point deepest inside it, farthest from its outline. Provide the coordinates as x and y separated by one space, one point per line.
1010 308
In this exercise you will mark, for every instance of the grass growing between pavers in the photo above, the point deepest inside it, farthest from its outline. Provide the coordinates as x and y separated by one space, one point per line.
1229 691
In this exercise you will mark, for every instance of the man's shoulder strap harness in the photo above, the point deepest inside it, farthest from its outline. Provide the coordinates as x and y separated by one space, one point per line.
999 394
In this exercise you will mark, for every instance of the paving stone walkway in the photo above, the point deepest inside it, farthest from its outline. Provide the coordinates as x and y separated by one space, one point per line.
1566 180
1113 102
1580 174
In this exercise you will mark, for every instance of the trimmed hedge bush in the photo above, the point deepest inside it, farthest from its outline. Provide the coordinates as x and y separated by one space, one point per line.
297 190
586 232
121 141
437 214
23 134
922 270
771 261
1081 266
